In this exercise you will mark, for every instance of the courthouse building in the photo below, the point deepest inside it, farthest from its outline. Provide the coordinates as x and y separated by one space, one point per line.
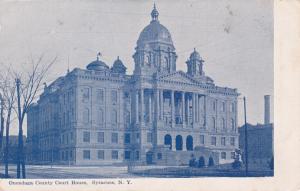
157 115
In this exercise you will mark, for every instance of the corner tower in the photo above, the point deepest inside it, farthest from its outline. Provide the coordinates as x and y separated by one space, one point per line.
195 65
155 52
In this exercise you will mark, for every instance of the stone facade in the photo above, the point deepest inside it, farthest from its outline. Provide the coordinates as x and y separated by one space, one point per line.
101 115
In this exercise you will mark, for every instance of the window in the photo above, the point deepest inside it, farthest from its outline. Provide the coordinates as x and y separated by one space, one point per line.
232 107
114 96
114 154
86 137
100 116
213 120
100 96
85 94
137 137
223 106
232 141
127 138
114 117
223 141
149 137
232 155
101 154
100 137
232 124
114 137
202 139
223 155
127 155
86 154
159 156
214 105
137 155
86 115
213 141
223 123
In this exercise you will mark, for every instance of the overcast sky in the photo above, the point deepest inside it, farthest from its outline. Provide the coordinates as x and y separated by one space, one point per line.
234 37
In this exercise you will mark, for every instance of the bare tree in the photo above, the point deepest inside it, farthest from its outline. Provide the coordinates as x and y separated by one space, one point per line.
28 85
8 97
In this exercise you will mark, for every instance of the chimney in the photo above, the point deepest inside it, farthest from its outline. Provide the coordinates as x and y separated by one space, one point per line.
267 109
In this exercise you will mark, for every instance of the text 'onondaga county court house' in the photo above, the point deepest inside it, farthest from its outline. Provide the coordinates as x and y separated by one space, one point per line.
157 115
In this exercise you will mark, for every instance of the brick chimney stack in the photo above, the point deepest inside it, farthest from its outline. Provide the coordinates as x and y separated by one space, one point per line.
267 109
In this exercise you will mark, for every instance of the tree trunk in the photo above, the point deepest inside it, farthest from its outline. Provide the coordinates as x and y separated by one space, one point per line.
2 124
7 144
20 137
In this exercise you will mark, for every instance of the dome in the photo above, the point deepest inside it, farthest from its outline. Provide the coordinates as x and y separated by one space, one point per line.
118 67
154 32
195 55
97 65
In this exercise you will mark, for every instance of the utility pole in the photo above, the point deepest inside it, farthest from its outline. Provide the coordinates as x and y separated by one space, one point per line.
246 137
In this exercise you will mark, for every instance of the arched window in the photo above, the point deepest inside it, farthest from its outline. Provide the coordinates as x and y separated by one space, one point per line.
100 116
178 142
168 140
114 117
86 115
189 143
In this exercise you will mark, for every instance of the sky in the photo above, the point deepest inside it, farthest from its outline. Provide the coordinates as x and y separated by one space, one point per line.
234 37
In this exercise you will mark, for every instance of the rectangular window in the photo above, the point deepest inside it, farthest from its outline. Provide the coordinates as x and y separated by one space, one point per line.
202 139
85 94
232 141
114 96
223 141
213 141
223 155
137 137
137 155
232 155
86 137
101 154
159 156
100 96
223 106
127 155
114 154
127 138
100 137
149 137
114 137
86 154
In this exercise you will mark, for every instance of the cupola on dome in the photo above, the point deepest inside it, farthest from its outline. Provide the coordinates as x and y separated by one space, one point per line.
118 67
154 32
97 65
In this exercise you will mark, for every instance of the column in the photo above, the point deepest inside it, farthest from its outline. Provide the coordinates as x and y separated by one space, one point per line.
193 108
150 107
161 94
156 103
183 107
197 108
136 106
142 106
205 113
188 110
172 109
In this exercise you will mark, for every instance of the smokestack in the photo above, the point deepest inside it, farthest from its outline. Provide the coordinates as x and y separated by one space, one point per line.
267 109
